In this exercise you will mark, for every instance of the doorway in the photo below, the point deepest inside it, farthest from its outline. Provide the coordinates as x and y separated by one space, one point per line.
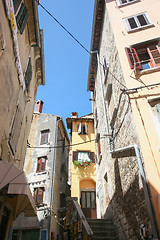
4 223
88 203
30 234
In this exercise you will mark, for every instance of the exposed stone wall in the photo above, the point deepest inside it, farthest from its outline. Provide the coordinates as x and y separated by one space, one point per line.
119 186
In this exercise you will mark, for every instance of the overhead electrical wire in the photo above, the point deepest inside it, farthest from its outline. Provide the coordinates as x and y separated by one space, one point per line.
51 15
63 27
70 145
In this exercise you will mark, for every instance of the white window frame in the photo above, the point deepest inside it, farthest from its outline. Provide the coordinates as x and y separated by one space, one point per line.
83 156
119 2
128 27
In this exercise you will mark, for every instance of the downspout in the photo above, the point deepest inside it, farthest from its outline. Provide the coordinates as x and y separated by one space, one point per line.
53 174
139 160
145 187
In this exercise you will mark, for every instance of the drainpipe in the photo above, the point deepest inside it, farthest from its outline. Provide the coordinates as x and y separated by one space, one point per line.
53 174
139 160
145 187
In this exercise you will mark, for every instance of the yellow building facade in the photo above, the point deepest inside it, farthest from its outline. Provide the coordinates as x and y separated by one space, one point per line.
82 162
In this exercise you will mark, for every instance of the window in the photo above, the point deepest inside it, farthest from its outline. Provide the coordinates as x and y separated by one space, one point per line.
41 164
82 156
82 129
105 70
96 118
99 145
21 13
124 2
88 199
28 75
137 22
15 129
2 40
38 195
155 112
111 104
44 136
144 57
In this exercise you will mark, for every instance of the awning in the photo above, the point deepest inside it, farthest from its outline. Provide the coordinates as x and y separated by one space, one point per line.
18 191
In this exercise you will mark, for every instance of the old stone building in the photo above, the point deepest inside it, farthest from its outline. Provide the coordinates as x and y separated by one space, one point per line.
46 168
21 71
124 84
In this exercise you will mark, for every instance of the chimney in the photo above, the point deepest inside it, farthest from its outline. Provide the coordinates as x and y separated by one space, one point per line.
74 115
38 106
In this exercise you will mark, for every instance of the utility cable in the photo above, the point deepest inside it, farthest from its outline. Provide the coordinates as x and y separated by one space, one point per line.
89 52
63 27
70 145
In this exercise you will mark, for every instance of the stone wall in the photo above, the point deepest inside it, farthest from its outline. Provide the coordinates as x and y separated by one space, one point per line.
119 185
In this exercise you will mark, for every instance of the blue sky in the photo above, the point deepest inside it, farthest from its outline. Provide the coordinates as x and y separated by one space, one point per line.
66 63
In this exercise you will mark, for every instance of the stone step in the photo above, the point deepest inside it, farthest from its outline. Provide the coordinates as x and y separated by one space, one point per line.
103 229
104 238
101 225
106 234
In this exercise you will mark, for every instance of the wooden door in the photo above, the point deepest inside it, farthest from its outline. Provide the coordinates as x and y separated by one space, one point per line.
88 203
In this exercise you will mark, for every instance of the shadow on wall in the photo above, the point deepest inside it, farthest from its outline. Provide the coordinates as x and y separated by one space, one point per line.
128 210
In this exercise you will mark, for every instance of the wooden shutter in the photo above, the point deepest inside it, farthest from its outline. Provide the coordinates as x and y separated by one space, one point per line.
28 75
86 128
16 4
39 197
96 117
133 58
92 156
155 56
75 155
38 165
22 18
79 128
43 163
2 40
99 146
15 129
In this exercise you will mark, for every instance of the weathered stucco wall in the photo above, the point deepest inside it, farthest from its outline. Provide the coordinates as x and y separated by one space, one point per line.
50 179
12 94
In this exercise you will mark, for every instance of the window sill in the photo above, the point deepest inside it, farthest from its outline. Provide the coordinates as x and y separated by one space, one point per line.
140 28
47 143
41 173
147 71
126 4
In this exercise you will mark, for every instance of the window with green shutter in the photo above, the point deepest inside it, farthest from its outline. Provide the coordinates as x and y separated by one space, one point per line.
28 75
22 18
16 4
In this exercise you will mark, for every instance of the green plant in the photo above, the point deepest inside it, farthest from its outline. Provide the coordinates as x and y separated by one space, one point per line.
86 163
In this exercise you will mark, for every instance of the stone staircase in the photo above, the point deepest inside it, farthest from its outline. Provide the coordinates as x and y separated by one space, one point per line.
103 229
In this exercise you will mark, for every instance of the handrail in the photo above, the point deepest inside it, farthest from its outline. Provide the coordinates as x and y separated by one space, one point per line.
82 217
76 223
